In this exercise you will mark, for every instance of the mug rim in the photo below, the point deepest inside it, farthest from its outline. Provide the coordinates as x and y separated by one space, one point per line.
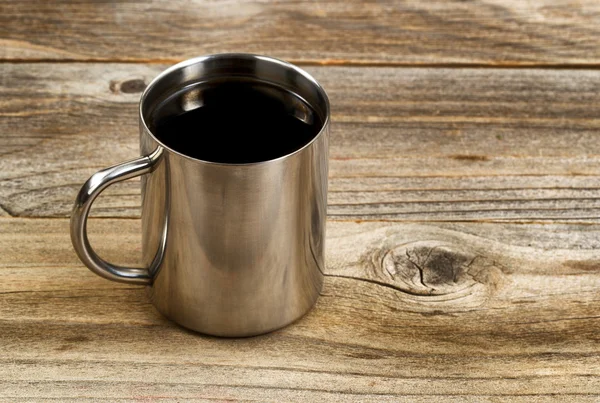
268 59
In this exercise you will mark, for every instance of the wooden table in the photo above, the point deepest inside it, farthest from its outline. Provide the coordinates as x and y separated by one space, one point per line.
464 208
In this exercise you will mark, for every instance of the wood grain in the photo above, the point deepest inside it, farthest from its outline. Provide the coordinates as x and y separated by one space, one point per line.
464 202
499 312
493 32
407 144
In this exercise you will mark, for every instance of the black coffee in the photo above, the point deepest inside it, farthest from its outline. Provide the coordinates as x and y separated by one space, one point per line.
237 121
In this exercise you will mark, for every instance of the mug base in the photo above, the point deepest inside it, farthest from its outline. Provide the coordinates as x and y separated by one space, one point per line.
237 334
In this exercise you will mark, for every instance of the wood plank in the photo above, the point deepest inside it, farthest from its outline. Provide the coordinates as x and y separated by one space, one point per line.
407 144
502 312
493 32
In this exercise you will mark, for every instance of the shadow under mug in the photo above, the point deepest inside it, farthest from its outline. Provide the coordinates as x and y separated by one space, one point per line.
228 249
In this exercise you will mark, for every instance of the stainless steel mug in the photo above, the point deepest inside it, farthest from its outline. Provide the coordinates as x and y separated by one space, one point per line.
227 249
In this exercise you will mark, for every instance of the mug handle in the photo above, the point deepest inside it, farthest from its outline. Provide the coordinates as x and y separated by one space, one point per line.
88 193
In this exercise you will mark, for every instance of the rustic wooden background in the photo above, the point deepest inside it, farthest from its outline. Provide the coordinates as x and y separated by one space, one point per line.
464 215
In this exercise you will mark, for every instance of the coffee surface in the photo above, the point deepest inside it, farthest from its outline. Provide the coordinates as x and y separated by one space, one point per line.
235 122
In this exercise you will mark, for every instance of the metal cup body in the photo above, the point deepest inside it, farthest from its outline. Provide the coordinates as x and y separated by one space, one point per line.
235 249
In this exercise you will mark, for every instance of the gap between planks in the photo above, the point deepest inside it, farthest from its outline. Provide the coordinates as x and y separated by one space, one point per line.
335 219
331 63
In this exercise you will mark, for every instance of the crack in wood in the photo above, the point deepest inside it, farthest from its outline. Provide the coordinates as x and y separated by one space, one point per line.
421 275
376 282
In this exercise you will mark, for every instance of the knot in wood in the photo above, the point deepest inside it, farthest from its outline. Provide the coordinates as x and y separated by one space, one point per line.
132 86
432 268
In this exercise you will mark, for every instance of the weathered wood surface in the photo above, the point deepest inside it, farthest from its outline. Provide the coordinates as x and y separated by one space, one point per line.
462 246
408 144
501 32
500 312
